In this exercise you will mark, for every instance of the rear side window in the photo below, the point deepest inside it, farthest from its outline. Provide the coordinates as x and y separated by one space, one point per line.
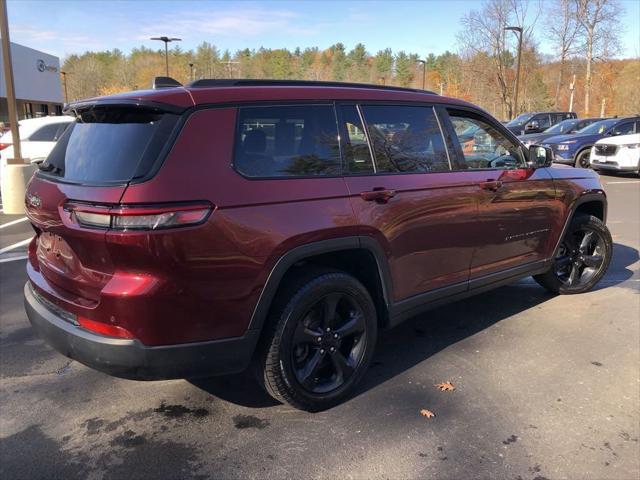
287 141
109 145
46 133
405 139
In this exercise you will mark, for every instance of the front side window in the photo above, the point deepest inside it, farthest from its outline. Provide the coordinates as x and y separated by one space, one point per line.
487 147
543 121
405 139
287 141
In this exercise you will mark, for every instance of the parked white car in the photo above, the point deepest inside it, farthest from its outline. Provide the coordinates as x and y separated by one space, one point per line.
617 154
37 137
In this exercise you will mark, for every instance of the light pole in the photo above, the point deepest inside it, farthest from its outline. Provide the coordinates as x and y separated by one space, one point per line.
64 79
518 32
424 71
191 70
166 41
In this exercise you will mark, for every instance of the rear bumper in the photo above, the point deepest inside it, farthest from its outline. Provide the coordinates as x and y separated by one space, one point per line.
131 359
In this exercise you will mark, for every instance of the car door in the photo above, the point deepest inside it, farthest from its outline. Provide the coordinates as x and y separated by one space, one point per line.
517 209
405 196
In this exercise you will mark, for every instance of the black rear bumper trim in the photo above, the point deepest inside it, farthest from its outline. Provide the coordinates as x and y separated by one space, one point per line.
131 359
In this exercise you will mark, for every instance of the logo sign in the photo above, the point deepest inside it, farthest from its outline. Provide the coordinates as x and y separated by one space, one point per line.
34 201
42 66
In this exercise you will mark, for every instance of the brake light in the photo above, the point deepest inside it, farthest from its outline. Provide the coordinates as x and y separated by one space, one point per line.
104 328
4 145
126 217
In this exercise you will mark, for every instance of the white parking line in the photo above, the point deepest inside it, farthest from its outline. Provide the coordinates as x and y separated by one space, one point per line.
15 245
14 222
622 181
13 259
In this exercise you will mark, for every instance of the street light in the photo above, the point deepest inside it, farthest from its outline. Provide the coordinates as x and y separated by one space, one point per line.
191 70
166 41
424 70
517 31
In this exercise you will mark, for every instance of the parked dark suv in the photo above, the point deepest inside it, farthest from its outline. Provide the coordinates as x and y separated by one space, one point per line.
537 122
194 231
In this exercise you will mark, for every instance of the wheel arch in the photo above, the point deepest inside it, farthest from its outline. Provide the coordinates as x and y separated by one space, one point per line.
591 202
359 256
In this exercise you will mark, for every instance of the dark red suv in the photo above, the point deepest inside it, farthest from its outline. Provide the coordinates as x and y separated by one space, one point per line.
199 230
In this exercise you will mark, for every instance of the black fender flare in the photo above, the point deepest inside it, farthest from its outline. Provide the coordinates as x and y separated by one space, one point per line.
595 195
297 254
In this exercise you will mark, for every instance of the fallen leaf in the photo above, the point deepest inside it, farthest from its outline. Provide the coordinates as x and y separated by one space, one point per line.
427 413
445 386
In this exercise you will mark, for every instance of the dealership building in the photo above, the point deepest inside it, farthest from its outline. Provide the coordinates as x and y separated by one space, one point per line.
36 78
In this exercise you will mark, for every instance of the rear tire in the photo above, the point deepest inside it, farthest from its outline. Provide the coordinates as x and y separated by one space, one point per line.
582 258
319 341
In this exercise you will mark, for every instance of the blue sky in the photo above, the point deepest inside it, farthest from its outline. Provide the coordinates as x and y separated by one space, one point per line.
65 27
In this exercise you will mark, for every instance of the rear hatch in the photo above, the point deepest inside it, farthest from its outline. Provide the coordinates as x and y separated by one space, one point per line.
88 171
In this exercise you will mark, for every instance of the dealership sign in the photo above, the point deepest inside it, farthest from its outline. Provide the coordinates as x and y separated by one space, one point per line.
43 67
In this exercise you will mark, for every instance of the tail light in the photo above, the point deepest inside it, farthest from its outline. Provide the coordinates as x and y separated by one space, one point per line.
104 328
129 217
4 145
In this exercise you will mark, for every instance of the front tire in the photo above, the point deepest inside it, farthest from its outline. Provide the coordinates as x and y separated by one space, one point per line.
320 340
583 159
582 258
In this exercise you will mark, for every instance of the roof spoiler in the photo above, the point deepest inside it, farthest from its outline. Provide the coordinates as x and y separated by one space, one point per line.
165 82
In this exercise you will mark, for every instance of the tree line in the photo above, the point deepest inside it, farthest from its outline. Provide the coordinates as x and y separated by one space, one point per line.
580 73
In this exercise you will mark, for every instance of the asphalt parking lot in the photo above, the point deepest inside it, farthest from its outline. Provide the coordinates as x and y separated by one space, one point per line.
547 387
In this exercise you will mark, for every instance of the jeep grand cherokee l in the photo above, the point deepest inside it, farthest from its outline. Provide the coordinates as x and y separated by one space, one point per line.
198 230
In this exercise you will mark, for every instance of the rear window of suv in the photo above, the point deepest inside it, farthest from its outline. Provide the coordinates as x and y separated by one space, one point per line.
109 145
287 141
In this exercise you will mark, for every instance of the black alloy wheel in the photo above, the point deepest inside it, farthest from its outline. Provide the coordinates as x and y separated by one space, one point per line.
328 343
582 258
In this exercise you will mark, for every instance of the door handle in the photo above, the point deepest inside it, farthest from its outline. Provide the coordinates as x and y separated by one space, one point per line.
492 185
378 194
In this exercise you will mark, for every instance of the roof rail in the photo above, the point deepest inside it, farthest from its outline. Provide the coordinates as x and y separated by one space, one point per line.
247 82
165 82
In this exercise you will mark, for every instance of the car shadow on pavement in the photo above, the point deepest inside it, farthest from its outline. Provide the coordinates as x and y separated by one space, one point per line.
423 336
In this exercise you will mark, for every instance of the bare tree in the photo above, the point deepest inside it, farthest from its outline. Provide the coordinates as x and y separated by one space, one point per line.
598 21
484 33
563 29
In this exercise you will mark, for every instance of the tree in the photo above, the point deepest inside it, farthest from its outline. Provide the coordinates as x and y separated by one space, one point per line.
383 64
405 69
563 28
599 29
484 32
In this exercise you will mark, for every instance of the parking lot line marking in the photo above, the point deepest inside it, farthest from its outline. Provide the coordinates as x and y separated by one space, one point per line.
13 259
15 245
14 222
622 181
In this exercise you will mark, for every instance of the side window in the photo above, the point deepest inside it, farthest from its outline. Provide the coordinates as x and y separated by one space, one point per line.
543 121
287 141
62 127
46 133
624 128
482 145
405 139
357 155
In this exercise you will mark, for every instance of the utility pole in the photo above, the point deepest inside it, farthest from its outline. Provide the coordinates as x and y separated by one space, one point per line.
602 107
572 89
424 71
64 80
518 32
166 41
8 78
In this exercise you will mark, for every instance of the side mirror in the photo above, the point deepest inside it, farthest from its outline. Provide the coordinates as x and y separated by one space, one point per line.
540 157
533 125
